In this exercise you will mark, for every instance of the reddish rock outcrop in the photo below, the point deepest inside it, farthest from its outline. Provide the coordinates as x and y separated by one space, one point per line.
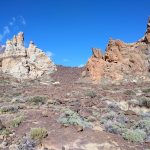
121 60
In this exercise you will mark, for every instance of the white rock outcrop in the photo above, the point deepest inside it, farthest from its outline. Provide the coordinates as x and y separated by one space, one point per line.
25 63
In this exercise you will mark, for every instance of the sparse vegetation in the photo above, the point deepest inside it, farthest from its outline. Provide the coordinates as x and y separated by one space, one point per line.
143 125
5 132
37 100
129 92
91 94
144 102
146 90
70 117
114 127
10 109
17 94
108 116
38 133
134 135
17 121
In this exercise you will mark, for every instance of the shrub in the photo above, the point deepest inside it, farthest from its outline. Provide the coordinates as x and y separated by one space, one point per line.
134 135
129 92
108 116
70 117
37 100
17 94
144 102
11 109
144 125
38 133
114 127
146 90
91 94
17 121
5 132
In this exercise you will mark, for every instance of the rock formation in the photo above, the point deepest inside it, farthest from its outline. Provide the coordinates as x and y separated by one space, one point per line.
121 60
2 49
24 63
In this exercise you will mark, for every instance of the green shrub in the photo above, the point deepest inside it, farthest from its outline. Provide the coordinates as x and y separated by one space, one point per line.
144 125
17 121
108 116
144 102
37 100
114 127
134 135
129 92
38 133
70 117
5 132
91 94
146 90
11 109
17 94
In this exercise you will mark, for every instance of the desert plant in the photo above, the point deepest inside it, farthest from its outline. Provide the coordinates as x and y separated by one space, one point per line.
144 102
37 100
108 116
70 117
5 132
11 109
129 92
91 94
114 127
17 94
134 135
38 133
143 125
146 90
17 121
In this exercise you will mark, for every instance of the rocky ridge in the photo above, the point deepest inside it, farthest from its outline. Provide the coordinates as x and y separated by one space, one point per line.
24 63
121 60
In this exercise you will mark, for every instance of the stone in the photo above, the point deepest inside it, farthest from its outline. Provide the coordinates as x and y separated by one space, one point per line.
25 63
121 61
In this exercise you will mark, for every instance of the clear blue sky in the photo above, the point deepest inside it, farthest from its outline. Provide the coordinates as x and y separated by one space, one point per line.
70 28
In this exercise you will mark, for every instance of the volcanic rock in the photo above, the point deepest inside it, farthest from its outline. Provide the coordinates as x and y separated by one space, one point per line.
25 63
121 60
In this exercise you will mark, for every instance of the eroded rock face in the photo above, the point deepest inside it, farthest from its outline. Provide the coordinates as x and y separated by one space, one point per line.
121 60
147 35
25 63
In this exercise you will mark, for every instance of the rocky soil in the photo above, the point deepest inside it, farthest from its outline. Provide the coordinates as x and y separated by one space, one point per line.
71 113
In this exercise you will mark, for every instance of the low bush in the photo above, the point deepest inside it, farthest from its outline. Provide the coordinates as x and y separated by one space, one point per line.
129 92
134 135
37 100
91 94
38 133
143 125
70 117
114 127
144 102
11 109
17 121
146 90
5 132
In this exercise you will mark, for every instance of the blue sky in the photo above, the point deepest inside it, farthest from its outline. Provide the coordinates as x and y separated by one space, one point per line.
70 28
